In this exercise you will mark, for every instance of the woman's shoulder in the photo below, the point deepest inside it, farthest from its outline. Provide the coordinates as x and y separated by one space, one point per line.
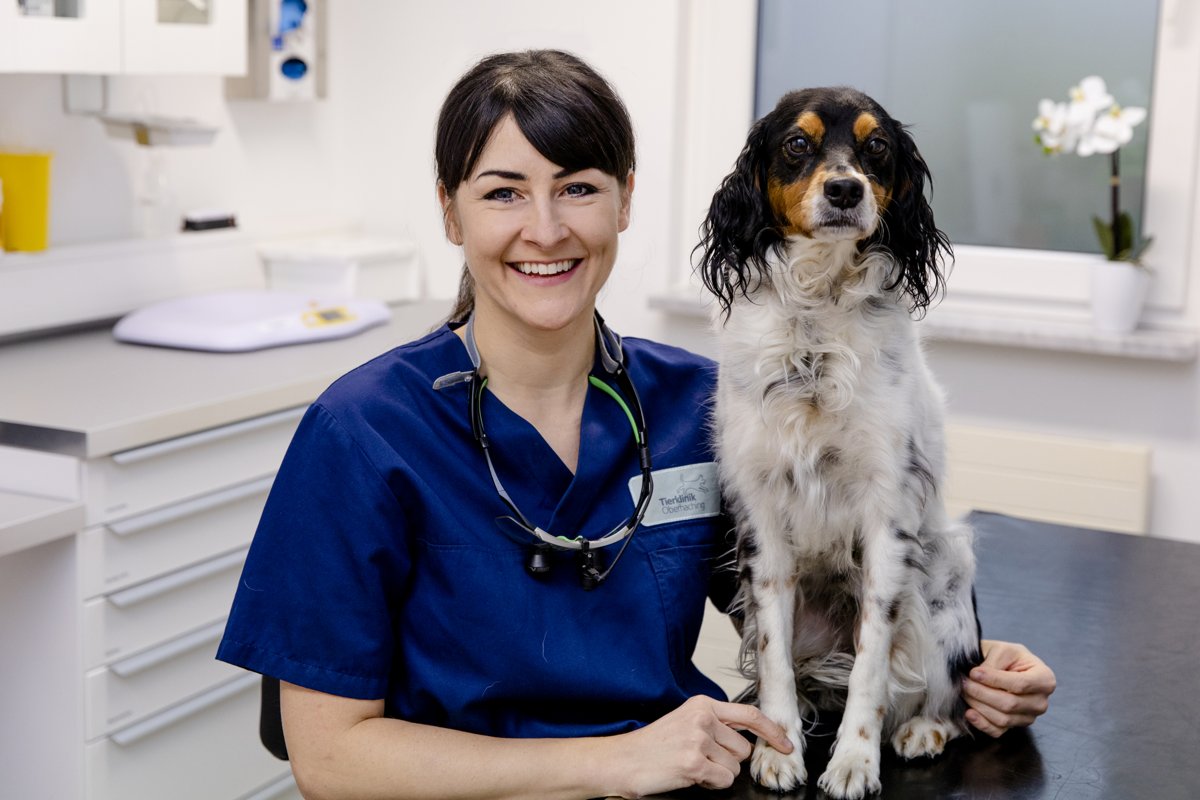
664 362
406 369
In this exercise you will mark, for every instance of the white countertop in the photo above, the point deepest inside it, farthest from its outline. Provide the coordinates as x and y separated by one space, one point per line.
87 395
28 520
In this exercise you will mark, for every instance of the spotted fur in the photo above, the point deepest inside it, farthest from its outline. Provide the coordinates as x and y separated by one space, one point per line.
855 586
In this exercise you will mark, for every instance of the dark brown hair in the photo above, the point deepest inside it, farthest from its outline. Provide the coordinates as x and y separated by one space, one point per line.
566 110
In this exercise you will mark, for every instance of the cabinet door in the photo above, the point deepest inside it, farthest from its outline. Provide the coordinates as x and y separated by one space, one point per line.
70 36
175 37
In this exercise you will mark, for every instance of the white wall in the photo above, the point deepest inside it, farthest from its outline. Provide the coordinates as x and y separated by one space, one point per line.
366 153
272 164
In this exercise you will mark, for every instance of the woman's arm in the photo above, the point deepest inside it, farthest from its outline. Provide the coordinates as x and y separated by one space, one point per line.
1010 689
340 747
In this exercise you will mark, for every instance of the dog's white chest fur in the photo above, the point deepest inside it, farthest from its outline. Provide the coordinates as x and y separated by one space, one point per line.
822 382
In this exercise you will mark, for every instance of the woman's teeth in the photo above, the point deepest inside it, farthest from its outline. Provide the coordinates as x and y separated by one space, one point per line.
552 268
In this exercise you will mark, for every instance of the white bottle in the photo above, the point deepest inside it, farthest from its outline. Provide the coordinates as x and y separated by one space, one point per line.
157 213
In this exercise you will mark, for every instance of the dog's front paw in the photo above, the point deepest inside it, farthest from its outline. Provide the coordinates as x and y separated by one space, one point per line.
853 773
922 736
776 770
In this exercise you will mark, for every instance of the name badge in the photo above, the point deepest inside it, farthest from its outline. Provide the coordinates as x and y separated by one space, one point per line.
681 493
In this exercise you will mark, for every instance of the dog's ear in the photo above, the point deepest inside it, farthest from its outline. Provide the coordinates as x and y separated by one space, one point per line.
740 228
918 248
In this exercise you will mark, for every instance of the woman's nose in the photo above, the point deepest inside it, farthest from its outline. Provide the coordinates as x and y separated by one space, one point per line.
544 226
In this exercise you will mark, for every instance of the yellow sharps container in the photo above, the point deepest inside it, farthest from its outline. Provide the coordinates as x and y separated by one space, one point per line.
25 219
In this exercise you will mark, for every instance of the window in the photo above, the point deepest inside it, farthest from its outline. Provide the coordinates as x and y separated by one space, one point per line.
967 78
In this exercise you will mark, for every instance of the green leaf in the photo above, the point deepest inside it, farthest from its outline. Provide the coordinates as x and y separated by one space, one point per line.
1104 234
1136 255
1124 232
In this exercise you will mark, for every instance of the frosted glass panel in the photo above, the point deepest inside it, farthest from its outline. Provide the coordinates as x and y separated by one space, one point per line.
967 78
184 12
50 8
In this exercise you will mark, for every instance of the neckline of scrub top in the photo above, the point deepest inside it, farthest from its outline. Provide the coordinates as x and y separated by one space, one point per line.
541 485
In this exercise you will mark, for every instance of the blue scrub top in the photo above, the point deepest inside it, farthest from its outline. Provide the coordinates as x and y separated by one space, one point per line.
379 570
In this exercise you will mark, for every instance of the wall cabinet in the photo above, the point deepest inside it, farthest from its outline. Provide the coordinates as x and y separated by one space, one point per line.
88 41
127 37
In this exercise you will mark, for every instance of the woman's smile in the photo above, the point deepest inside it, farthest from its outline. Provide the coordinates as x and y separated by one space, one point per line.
549 268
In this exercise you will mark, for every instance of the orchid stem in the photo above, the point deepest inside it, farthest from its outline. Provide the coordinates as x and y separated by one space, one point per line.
1116 205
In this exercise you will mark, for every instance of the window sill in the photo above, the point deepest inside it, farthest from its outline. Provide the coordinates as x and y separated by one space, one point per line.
949 324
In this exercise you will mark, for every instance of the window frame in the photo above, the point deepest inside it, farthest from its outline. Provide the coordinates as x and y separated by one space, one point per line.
719 63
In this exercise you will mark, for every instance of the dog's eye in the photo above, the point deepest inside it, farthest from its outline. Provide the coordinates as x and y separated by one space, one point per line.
798 146
876 146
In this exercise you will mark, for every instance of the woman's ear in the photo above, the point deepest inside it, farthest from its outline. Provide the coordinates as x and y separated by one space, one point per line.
449 217
623 213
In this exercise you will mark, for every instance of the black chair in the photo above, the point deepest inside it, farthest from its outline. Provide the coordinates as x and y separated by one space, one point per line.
270 721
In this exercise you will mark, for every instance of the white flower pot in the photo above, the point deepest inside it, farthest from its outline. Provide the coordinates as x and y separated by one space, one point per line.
1118 294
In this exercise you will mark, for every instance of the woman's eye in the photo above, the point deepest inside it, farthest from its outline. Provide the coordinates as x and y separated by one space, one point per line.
876 146
798 146
580 190
503 195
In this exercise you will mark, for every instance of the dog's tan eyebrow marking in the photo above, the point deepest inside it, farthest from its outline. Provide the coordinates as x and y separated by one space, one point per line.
864 126
811 124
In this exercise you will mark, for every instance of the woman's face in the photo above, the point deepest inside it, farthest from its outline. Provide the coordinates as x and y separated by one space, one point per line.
539 243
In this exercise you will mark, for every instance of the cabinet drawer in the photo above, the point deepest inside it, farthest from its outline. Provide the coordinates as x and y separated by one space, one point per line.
136 549
135 481
129 690
137 618
206 749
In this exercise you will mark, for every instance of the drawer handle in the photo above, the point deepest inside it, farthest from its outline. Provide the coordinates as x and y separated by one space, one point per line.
274 789
203 437
167 583
151 725
165 652
189 507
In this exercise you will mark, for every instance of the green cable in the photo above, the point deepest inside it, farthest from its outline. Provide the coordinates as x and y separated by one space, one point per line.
608 390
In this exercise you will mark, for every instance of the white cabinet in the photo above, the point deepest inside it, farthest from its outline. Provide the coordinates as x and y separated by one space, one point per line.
87 41
147 37
120 624
164 37
170 524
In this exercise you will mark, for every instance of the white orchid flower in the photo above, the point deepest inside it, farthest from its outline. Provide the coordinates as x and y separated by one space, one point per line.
1091 122
1053 132
1113 129
1090 96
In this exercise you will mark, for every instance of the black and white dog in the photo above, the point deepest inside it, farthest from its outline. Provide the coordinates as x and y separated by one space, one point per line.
856 588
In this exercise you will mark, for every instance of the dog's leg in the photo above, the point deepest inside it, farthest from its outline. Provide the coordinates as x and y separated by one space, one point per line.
853 769
953 646
772 586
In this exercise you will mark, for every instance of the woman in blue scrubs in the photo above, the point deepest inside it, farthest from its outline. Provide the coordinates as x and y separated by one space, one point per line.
430 644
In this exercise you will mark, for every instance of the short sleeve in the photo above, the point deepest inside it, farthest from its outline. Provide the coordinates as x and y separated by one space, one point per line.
325 570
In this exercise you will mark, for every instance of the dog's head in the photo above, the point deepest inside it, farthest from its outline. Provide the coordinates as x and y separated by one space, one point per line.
828 165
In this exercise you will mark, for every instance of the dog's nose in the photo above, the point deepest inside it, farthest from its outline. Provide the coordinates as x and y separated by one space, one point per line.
843 192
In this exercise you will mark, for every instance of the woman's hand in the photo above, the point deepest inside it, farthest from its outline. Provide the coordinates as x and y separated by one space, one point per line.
696 744
1010 689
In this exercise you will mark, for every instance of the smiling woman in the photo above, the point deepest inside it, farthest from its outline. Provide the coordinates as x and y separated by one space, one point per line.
575 125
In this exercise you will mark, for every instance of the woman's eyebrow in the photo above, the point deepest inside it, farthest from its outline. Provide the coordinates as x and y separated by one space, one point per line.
520 176
502 173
